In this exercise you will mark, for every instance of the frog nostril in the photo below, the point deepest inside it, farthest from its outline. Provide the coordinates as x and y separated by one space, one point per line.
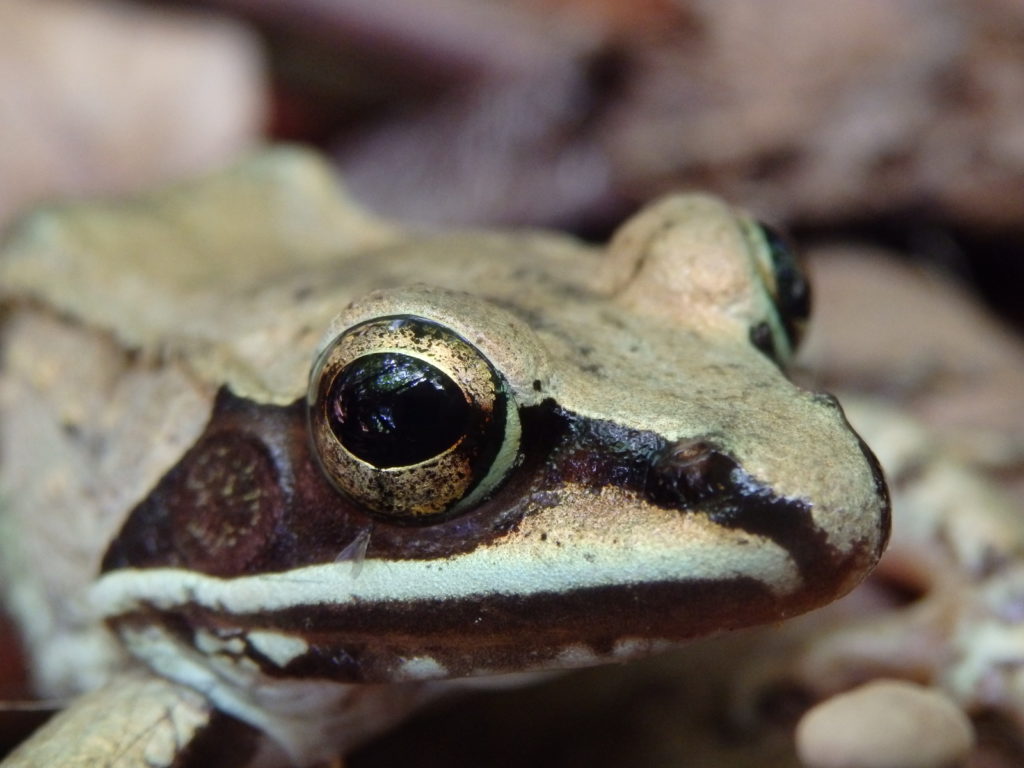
691 471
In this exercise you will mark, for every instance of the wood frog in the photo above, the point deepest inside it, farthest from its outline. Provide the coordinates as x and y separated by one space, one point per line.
276 472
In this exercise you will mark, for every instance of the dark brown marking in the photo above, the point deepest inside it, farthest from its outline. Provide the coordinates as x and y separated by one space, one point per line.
19 719
313 523
696 477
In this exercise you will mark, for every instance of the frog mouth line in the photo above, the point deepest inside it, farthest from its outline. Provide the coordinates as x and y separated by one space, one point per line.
361 642
299 519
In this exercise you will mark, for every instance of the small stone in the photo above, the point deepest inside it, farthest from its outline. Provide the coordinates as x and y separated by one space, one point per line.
885 724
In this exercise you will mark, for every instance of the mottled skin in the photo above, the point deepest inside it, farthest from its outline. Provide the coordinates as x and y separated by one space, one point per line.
667 481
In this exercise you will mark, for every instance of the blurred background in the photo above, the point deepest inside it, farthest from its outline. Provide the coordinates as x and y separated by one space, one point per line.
901 121
887 136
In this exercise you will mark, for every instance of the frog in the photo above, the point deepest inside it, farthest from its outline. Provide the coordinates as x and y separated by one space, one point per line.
277 472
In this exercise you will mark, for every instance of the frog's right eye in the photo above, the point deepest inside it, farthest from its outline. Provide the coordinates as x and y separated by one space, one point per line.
410 420
785 284
789 287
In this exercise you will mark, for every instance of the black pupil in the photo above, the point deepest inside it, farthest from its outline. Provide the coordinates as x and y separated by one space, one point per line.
392 410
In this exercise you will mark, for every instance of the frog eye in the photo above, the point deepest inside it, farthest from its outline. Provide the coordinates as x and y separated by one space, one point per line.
789 287
410 420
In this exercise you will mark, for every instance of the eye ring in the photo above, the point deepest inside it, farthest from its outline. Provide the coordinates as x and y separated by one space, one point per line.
410 420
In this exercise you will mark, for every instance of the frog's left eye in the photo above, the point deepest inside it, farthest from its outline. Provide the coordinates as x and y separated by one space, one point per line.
410 420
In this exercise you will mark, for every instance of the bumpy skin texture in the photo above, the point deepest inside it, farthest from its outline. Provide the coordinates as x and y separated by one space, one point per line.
666 480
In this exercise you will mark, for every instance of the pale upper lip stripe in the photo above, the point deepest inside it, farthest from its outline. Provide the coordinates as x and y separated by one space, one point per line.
472 574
